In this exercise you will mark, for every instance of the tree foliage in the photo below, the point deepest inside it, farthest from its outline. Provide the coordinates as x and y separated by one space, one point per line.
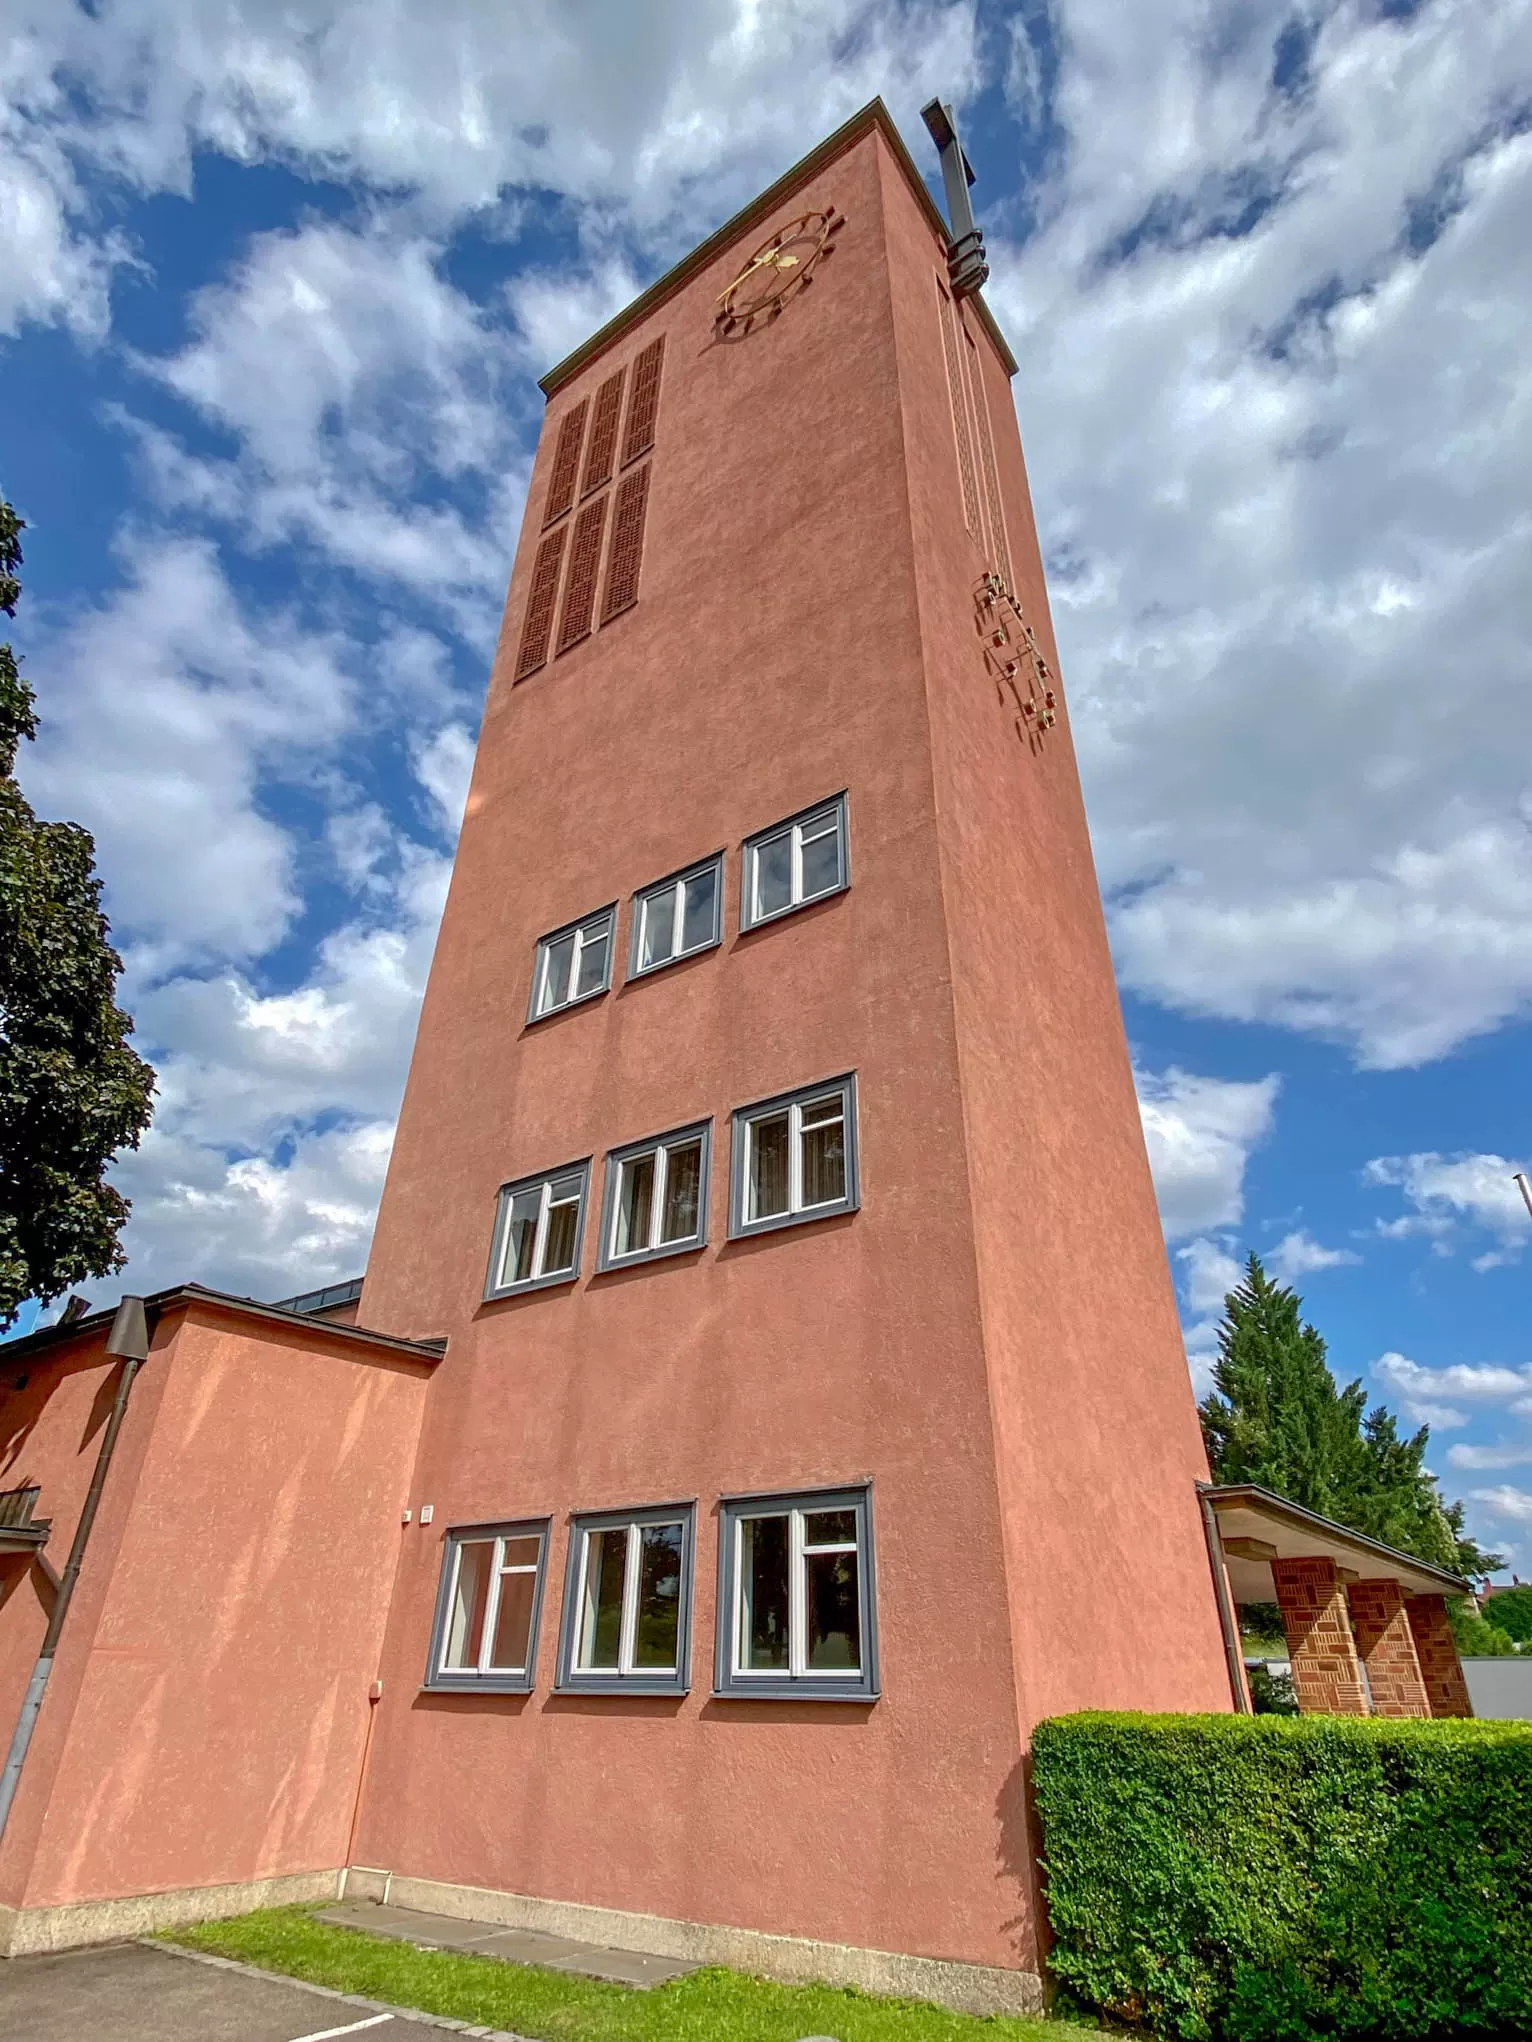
1276 1416
1510 1610
72 1091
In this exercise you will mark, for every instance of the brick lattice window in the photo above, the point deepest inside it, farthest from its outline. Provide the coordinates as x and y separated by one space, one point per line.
536 630
566 463
644 403
627 544
602 450
584 561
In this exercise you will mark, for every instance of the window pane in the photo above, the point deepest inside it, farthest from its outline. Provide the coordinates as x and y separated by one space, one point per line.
763 1585
465 1621
773 874
829 1528
521 1552
683 1186
513 1621
821 856
834 1620
635 1205
658 941
606 1555
558 958
657 1631
824 1160
520 1237
559 1250
699 918
768 1166
595 937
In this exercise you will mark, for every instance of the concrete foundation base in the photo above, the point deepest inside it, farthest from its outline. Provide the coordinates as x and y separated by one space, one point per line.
795 1960
24 1931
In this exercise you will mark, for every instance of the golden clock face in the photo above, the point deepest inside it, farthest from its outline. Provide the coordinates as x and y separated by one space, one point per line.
776 273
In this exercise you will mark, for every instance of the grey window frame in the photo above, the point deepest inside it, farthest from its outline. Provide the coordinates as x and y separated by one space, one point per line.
678 878
439 1681
749 920
540 963
571 1679
731 1685
504 1198
615 1158
741 1228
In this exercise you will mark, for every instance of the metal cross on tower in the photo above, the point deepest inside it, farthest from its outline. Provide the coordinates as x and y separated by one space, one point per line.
966 266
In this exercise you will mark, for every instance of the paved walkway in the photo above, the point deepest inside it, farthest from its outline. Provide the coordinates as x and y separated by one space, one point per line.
512 1946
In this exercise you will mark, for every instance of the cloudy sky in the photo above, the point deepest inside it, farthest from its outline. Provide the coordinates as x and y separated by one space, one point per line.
275 284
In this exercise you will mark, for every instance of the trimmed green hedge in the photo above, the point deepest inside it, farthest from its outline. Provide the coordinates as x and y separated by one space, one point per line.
1275 1879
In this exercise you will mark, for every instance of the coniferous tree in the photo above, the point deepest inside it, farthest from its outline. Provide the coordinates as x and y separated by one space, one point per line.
1276 1416
72 1092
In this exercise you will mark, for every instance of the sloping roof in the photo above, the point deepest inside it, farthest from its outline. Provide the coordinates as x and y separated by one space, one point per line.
183 1296
873 115
1266 1526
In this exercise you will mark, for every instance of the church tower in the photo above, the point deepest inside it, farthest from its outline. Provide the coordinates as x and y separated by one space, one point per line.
814 1418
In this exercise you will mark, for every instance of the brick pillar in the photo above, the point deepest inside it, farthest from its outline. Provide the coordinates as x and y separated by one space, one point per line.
1386 1645
1437 1651
1327 1675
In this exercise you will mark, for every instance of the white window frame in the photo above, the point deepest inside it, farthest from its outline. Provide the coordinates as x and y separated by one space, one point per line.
485 1679
734 1680
626 1678
495 1286
742 1147
582 932
680 881
795 827
658 1145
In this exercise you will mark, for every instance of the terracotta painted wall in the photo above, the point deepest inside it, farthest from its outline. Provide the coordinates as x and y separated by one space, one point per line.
1097 1441
206 1720
728 699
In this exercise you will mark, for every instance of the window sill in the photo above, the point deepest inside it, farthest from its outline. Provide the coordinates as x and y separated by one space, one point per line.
797 1691
747 1230
629 1684
521 1290
654 970
480 1684
621 1262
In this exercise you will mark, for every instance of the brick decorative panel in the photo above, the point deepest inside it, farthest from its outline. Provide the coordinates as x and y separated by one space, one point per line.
1327 1675
538 623
644 402
566 463
1437 1651
602 451
1386 1647
627 544
584 562
998 551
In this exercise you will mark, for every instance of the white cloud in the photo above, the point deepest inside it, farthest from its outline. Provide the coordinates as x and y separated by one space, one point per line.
1435 1396
1278 422
1450 1192
1211 1272
1487 1457
1199 1133
442 766
1505 1501
1298 1254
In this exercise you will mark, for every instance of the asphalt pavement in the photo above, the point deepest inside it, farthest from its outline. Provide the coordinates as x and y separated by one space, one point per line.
131 1992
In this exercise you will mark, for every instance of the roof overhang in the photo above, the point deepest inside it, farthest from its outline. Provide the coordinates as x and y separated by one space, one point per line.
1256 1527
873 115
194 1297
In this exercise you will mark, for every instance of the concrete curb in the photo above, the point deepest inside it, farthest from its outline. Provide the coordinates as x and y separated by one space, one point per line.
345 1999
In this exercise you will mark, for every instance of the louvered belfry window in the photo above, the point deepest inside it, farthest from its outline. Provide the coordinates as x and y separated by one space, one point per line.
538 627
584 562
566 463
567 568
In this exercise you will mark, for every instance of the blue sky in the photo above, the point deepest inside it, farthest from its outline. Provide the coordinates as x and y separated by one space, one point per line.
275 285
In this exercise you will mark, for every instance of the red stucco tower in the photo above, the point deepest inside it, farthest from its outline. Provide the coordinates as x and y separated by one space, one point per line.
822 1422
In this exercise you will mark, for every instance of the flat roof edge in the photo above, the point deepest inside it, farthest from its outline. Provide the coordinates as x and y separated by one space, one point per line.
186 1296
873 115
1252 1494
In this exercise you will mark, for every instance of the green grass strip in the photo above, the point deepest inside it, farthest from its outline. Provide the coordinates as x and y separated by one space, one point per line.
550 2006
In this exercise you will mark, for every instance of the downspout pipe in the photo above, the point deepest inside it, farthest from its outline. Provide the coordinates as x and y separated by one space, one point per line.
1228 1623
128 1338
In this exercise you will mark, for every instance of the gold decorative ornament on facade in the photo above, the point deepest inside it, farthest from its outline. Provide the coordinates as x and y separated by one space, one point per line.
1013 657
778 270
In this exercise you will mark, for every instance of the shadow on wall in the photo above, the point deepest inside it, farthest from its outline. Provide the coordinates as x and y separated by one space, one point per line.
1018 1856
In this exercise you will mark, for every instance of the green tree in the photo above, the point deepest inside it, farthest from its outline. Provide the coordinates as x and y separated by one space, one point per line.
1511 1611
72 1092
1276 1416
